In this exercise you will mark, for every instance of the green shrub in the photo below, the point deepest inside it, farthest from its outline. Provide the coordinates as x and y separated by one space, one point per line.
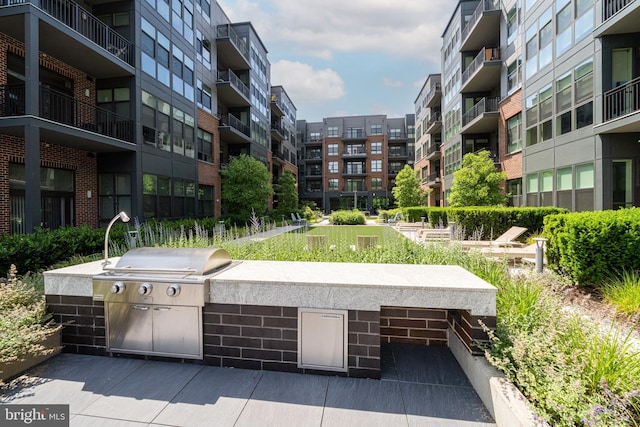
493 221
623 292
591 246
389 213
24 322
343 217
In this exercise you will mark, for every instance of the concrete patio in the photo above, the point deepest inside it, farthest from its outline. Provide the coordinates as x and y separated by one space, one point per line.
420 386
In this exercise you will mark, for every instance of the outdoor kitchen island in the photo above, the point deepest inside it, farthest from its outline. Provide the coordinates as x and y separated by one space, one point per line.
300 316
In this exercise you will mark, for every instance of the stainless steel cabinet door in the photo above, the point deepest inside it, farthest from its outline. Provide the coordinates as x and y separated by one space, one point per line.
129 327
322 339
177 331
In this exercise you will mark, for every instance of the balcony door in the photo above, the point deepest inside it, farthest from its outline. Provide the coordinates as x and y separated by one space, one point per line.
622 184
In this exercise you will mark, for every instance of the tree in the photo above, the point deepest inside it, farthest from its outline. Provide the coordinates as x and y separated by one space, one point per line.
407 191
477 183
246 187
287 193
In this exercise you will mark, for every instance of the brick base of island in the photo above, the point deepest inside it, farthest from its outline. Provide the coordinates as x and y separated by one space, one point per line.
252 319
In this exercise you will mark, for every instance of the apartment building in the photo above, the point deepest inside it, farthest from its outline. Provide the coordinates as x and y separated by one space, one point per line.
429 138
284 150
552 93
348 162
129 105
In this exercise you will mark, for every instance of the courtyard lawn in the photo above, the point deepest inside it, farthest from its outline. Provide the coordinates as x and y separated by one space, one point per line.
347 233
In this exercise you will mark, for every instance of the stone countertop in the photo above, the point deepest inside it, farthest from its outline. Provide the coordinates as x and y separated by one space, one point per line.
353 286
320 285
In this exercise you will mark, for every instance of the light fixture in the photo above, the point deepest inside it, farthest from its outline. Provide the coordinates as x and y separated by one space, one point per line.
125 218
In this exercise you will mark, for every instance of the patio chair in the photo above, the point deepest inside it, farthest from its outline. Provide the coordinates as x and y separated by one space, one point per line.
433 234
506 239
301 221
294 219
397 217
511 253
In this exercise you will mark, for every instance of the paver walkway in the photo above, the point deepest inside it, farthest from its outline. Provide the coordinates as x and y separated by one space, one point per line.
421 386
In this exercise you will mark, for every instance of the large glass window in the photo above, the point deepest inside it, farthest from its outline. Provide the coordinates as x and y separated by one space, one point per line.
376 165
332 149
376 148
513 22
333 184
376 129
531 105
333 167
376 183
546 111
546 37
332 131
531 50
205 147
584 18
514 133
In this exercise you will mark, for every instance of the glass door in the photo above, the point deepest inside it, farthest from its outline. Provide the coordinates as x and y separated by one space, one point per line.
622 184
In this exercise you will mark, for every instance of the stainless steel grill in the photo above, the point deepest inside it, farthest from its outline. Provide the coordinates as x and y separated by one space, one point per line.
153 299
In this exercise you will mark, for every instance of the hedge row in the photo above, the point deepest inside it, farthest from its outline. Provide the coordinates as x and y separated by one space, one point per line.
492 221
354 217
36 251
592 246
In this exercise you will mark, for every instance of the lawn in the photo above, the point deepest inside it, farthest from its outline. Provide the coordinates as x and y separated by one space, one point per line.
347 233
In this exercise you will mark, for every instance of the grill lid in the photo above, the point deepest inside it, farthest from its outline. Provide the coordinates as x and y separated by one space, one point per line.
187 261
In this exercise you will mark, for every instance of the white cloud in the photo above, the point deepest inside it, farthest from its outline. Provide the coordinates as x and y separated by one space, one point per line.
389 82
412 28
306 85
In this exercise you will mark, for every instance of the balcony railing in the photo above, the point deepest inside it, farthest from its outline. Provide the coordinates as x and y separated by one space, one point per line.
434 176
234 122
65 109
485 105
622 100
397 153
433 148
397 135
275 99
483 6
278 128
485 54
353 188
314 172
227 32
232 78
433 90
435 117
354 134
354 170
611 7
83 22
355 151
313 156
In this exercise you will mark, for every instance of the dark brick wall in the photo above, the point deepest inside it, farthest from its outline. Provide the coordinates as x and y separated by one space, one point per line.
469 330
364 344
83 323
413 325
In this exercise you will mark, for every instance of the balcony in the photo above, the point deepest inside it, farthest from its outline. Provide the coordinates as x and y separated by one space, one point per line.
277 133
232 51
394 171
314 172
278 157
483 28
354 152
354 188
397 153
433 152
314 139
232 92
619 17
434 124
232 130
435 95
621 109
433 180
354 134
84 42
398 136
64 110
482 117
313 156
354 171
277 107
483 74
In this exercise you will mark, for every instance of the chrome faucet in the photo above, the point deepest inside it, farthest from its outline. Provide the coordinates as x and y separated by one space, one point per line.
125 218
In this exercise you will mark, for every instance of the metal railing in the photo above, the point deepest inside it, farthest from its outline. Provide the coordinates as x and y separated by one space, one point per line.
485 54
434 176
83 22
435 117
313 156
234 122
483 6
232 78
314 172
353 188
485 105
357 170
397 135
622 100
227 32
275 99
433 89
354 151
434 148
397 153
611 7
65 109
277 127
354 133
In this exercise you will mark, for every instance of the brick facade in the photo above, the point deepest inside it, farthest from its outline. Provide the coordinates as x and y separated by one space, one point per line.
209 173
511 163
83 323
413 325
83 163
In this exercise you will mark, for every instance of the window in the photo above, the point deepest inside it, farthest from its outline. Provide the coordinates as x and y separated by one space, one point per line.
584 18
546 111
564 21
315 136
333 167
376 165
513 75
205 148
531 50
376 129
205 200
376 183
332 149
376 148
532 189
564 188
546 37
333 184
531 105
395 133
584 115
546 188
584 187
155 53
332 131
114 192
583 76
513 22
203 95
514 133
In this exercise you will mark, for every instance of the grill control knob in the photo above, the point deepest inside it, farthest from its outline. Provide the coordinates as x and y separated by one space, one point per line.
117 288
173 290
145 289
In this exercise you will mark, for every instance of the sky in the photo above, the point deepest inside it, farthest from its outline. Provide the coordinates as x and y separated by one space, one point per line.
348 57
